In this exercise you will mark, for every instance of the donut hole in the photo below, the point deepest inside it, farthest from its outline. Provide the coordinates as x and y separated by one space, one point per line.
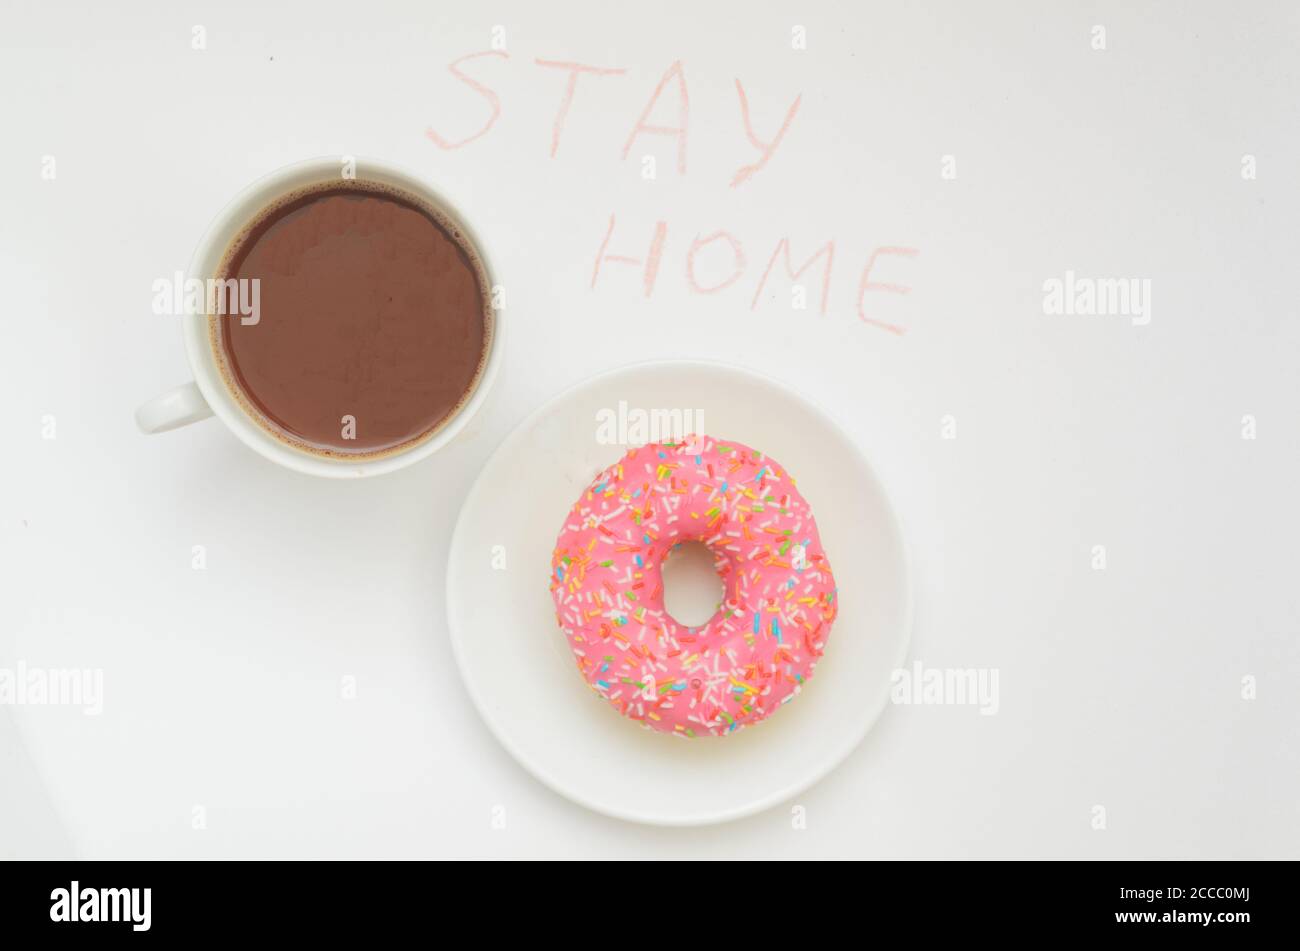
693 589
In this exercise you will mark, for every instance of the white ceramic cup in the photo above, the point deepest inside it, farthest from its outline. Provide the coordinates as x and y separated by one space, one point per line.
208 394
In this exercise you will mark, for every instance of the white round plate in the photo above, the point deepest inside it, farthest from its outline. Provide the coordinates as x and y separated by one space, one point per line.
517 664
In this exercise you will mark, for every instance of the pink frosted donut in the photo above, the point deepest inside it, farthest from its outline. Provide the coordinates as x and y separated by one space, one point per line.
754 654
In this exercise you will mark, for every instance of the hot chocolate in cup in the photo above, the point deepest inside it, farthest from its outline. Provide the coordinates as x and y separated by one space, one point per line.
347 325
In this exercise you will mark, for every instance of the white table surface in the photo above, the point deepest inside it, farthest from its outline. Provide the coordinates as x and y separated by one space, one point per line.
1120 688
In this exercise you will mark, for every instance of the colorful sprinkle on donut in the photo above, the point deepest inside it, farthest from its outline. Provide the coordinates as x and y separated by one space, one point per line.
779 603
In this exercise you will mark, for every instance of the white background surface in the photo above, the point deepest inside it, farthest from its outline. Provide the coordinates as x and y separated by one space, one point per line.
1119 688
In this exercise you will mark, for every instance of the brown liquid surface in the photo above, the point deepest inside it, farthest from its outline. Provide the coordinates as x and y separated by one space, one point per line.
370 308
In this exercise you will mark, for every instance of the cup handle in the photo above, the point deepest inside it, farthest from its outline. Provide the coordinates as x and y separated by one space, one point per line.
178 407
